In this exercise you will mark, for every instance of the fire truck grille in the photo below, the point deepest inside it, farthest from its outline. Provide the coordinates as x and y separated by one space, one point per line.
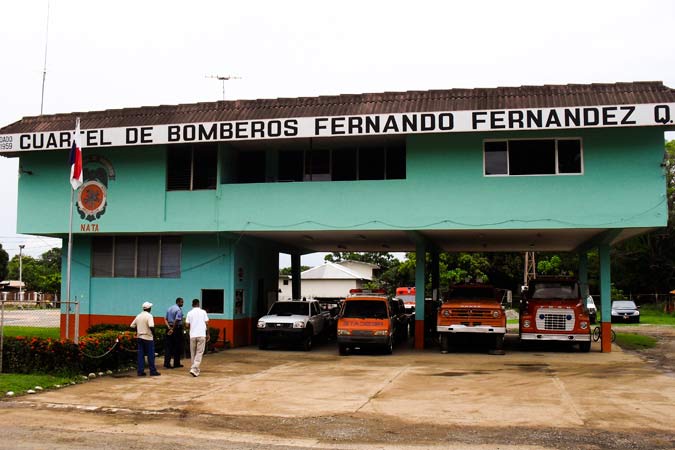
473 313
555 320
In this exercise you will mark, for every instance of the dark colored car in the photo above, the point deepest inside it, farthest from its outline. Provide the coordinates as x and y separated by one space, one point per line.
625 311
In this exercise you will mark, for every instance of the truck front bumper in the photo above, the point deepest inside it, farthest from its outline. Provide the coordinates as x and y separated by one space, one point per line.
363 340
585 337
482 329
282 334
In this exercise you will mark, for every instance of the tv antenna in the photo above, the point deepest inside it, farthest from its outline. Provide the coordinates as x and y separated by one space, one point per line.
223 79
44 69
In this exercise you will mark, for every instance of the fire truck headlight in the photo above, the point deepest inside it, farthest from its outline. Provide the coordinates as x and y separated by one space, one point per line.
381 333
344 332
446 313
583 325
495 314
526 323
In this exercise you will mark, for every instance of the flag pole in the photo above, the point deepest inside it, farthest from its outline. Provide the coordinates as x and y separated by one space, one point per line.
75 145
70 251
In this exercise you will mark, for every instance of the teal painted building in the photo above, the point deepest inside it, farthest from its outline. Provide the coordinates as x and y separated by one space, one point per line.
198 200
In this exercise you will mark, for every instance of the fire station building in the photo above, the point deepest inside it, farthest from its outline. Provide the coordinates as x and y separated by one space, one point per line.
198 200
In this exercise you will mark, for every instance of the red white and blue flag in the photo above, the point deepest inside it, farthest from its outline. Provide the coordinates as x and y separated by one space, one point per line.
76 159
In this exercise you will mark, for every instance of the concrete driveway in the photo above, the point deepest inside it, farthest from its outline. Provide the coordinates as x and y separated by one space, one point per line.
534 388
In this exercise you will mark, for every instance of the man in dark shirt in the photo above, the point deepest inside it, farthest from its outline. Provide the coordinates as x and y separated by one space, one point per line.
174 335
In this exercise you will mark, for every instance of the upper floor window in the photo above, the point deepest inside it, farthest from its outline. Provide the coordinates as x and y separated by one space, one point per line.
533 157
191 167
136 256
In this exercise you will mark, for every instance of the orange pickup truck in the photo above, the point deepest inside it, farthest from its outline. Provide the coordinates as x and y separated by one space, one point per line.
471 308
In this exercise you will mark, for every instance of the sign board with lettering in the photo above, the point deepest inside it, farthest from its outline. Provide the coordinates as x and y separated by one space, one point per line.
639 115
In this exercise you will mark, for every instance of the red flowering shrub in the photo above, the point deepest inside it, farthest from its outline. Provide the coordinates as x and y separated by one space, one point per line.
93 353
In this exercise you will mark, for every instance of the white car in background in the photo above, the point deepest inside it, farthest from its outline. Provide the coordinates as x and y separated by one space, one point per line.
592 310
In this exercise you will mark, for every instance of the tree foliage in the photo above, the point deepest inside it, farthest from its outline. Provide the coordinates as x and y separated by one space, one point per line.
40 274
4 260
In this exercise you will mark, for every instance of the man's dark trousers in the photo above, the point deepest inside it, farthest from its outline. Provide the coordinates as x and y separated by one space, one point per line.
173 347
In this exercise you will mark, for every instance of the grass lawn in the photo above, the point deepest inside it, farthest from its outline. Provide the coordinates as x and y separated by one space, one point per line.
40 332
632 341
20 383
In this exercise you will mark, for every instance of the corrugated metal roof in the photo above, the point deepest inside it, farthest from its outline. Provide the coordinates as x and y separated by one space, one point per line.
546 96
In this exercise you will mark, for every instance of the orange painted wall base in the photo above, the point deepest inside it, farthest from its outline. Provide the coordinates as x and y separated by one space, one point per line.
419 334
606 329
233 333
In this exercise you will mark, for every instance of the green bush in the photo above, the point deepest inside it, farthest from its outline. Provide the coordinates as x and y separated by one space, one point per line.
108 350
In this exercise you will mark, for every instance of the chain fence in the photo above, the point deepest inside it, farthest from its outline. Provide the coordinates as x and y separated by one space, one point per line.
36 315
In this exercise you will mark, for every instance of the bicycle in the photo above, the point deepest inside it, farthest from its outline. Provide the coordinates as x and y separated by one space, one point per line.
597 334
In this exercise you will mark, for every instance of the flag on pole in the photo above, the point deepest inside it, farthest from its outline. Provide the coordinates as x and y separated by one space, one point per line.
76 158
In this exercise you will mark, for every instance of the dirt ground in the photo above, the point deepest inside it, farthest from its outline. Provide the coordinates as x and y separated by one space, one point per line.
534 398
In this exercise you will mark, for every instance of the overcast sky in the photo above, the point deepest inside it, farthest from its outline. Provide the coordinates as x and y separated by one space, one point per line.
104 55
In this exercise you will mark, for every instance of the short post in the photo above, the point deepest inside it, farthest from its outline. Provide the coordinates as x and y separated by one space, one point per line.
76 333
2 329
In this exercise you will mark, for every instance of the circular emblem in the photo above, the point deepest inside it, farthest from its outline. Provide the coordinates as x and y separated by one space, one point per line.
91 200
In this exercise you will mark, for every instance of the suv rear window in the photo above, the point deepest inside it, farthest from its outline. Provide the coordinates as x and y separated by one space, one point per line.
365 309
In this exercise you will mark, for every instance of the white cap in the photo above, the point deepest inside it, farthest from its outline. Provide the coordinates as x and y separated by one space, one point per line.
147 305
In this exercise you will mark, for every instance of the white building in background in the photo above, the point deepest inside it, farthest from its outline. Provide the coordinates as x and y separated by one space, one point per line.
329 280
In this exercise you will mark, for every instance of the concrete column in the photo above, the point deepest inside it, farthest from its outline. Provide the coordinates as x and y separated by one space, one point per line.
419 295
295 276
583 273
605 297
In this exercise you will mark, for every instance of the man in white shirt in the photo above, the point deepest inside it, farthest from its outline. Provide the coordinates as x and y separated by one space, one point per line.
197 321
145 329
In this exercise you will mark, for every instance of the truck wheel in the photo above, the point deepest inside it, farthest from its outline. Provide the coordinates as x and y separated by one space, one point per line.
307 342
389 347
585 347
498 345
445 343
342 349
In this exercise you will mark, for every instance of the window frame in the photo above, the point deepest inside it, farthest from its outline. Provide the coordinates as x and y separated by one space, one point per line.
135 257
192 149
557 164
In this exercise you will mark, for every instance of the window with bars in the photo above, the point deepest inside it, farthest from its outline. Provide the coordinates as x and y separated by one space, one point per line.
136 257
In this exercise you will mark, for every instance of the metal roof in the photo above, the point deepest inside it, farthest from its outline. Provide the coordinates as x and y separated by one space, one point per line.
547 96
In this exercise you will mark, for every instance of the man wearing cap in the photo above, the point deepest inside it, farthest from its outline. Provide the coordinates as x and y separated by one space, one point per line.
145 329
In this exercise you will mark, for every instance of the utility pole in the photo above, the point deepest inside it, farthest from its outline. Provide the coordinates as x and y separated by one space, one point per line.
223 79
530 268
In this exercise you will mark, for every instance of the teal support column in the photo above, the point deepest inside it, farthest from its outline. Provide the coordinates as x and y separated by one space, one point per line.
605 296
420 279
583 273
295 276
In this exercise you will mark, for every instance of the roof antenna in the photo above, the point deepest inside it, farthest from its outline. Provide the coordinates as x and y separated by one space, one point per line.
44 70
223 79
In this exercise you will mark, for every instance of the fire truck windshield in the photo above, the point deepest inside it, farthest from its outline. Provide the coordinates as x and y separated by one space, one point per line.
554 290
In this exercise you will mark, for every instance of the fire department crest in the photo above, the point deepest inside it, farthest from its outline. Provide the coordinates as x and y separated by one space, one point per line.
92 197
